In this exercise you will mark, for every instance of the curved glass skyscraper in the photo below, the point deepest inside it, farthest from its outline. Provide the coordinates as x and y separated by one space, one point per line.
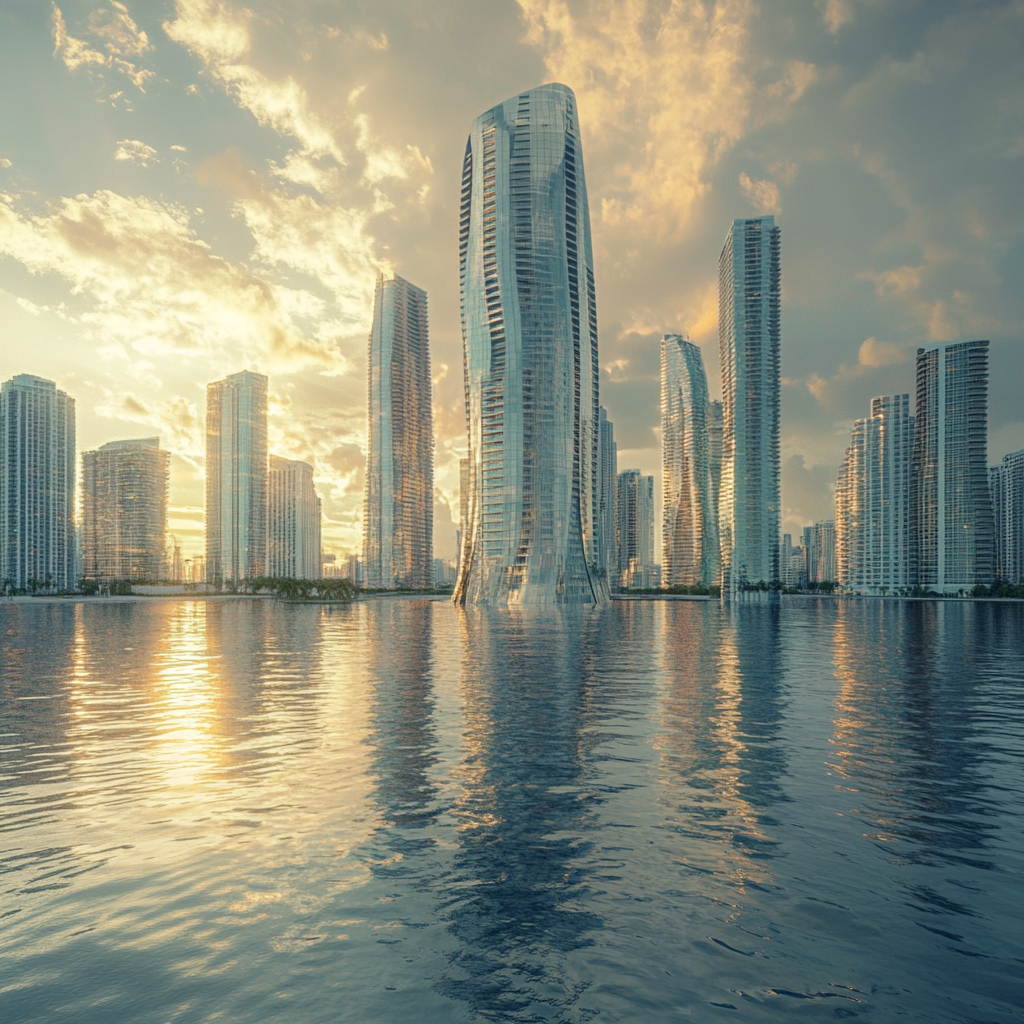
529 330
689 545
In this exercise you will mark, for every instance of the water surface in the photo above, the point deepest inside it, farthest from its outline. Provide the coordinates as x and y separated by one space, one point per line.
396 811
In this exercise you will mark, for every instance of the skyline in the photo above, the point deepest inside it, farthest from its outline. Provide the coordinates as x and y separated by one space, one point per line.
922 244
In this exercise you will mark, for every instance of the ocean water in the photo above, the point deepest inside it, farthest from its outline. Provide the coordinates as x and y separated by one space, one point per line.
395 811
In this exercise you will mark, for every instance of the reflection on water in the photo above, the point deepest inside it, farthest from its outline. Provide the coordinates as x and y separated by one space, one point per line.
400 810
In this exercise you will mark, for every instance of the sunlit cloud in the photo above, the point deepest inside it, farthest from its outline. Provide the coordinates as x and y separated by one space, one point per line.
136 152
119 37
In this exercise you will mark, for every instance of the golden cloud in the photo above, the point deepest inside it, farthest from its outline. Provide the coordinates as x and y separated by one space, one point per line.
121 37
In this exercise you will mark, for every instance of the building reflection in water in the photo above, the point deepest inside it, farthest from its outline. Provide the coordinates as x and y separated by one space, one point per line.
722 751
905 746
514 902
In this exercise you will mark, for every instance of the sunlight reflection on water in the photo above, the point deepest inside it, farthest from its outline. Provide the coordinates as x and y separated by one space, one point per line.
400 811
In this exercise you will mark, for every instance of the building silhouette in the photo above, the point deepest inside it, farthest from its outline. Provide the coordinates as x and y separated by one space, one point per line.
689 545
749 339
37 485
636 530
398 513
953 533
236 477
529 323
293 521
124 511
873 500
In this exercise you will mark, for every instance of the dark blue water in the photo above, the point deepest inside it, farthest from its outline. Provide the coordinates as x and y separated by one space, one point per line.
250 811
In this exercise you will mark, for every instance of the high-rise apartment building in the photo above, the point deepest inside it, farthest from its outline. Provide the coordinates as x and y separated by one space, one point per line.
749 340
398 513
124 510
293 521
636 529
608 484
463 511
1006 487
953 530
37 485
873 500
820 552
529 327
689 531
715 462
236 477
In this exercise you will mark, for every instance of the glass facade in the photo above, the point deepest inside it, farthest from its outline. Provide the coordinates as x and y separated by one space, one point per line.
689 544
1008 495
293 521
124 511
398 513
37 485
635 529
953 530
873 499
529 327
749 346
236 477
608 479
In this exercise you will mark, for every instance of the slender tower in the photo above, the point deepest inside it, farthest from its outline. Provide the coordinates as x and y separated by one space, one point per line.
236 477
37 485
608 479
398 515
293 521
635 528
689 530
749 337
529 329
953 531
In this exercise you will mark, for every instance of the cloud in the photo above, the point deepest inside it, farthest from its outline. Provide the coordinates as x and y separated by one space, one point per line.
177 420
120 36
136 152
763 195
875 353
807 494
835 14
872 355
150 283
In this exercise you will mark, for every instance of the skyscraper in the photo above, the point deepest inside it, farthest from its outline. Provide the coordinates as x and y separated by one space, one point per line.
820 552
1007 490
689 545
873 498
293 521
636 528
715 462
236 477
608 480
463 510
37 485
398 515
529 329
124 510
953 530
749 339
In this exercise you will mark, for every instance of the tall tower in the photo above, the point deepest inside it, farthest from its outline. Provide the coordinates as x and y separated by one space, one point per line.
953 530
689 530
635 528
293 521
608 481
236 477
873 500
398 515
37 485
529 329
1011 517
124 510
749 338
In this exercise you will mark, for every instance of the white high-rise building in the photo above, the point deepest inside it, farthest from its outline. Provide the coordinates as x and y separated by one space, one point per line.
293 521
635 529
529 328
749 340
689 530
236 477
398 512
124 511
953 530
37 485
873 500
608 481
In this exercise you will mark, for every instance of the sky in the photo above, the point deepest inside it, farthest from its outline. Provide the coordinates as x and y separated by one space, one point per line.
193 188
